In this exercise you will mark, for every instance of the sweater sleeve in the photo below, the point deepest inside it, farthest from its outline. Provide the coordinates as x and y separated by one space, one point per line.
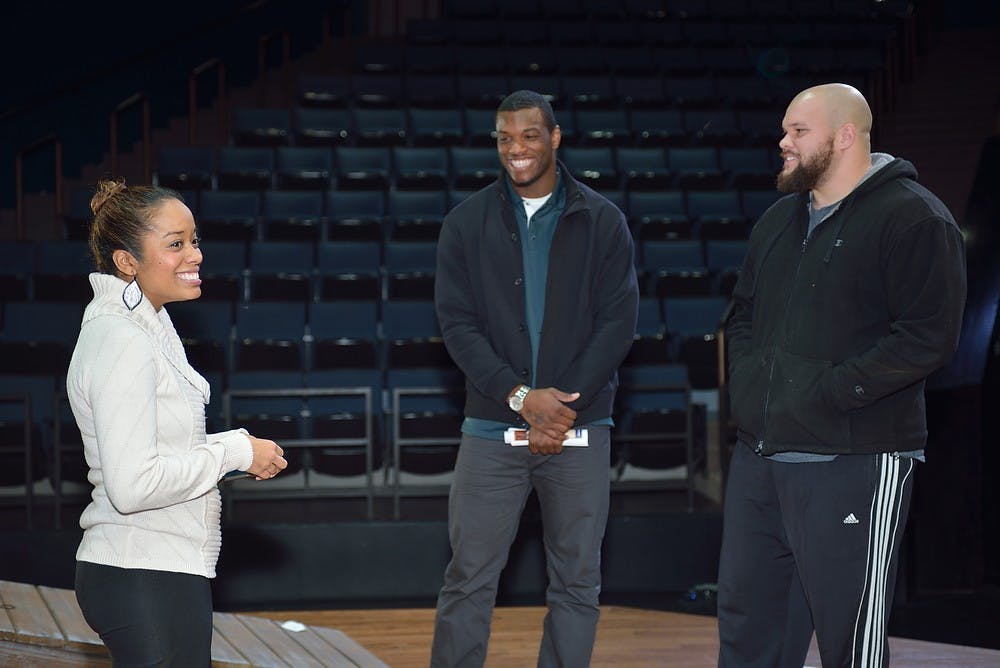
128 402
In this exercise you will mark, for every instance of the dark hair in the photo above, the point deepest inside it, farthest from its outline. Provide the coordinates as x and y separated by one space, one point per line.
122 216
529 99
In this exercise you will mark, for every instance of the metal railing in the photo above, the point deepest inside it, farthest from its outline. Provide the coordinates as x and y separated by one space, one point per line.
19 178
142 100
220 100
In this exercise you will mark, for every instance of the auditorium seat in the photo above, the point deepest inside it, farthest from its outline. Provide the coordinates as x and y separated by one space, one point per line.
256 126
695 167
229 215
656 426
724 258
718 214
415 215
245 167
269 336
748 167
355 215
291 215
644 167
363 167
322 127
693 323
185 167
593 165
383 91
61 270
430 91
420 167
323 90
344 334
38 337
303 167
349 419
435 127
348 270
412 335
675 268
223 270
281 271
206 330
651 344
659 214
657 127
17 266
379 127
409 269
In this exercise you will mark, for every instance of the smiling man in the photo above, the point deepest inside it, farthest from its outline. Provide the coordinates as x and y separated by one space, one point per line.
851 294
536 295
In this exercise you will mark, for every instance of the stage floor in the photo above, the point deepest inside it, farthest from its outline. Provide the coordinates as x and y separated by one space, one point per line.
626 638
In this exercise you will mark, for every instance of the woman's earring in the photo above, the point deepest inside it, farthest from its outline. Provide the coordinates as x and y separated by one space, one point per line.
132 294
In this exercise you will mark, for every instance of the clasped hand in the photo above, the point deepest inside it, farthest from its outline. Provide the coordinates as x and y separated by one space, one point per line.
267 458
545 410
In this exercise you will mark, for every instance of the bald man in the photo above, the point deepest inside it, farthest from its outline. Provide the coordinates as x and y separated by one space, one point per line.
851 294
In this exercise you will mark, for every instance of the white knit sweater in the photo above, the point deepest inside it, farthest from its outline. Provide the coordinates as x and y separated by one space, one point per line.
140 408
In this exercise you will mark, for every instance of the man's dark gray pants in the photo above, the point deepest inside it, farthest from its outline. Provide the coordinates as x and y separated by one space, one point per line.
490 488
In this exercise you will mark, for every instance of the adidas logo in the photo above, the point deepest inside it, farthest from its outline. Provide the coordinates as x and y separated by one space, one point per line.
850 519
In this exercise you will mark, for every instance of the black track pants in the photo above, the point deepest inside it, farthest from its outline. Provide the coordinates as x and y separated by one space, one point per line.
810 546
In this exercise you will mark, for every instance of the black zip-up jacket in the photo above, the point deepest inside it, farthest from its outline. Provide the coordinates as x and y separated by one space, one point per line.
832 336
591 301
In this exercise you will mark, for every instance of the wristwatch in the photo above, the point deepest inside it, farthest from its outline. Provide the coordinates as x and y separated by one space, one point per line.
516 400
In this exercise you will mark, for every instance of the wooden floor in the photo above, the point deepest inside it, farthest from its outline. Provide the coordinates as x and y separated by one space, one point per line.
626 638
43 626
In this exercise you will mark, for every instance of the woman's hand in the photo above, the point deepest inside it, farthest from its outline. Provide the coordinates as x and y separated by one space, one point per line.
267 458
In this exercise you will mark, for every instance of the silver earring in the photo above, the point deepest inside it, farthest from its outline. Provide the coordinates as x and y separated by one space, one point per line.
132 294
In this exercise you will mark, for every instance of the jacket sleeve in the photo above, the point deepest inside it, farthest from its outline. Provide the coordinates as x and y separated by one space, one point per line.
739 330
926 289
125 395
615 316
461 326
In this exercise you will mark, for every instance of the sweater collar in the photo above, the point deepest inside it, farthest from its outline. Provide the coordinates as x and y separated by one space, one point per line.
157 324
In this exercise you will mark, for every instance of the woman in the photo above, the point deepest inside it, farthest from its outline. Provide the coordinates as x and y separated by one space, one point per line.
152 530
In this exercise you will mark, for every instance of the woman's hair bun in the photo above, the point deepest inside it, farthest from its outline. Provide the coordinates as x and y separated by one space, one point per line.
105 190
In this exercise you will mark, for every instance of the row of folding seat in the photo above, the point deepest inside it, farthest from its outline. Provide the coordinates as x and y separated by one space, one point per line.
37 337
393 63
462 167
652 10
694 32
308 271
416 215
699 123
362 427
771 84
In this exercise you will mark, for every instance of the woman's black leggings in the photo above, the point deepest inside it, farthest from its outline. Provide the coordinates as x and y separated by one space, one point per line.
148 618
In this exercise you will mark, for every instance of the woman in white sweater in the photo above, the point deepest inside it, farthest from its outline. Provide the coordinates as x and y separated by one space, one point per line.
152 529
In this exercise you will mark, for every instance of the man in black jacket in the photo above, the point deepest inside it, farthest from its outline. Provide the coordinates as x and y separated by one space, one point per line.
851 294
537 298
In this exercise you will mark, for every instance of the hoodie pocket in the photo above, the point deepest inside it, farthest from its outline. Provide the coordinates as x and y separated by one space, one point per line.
747 383
799 411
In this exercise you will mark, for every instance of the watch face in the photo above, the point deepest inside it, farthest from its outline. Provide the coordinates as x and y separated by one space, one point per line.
516 400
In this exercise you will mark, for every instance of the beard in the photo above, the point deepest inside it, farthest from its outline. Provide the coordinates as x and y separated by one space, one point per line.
809 173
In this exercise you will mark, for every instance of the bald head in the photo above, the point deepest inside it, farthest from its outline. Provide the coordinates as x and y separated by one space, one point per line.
826 148
840 104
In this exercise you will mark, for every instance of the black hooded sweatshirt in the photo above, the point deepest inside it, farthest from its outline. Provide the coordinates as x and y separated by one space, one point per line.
833 334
